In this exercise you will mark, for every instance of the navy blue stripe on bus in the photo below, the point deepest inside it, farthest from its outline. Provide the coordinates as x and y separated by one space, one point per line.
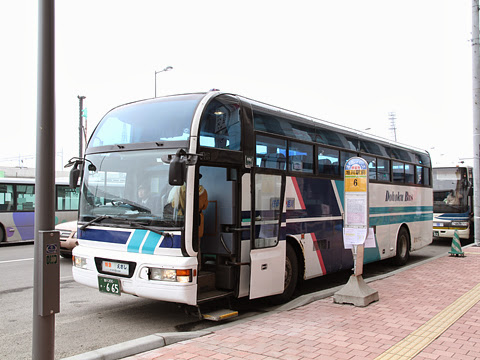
171 242
452 216
108 236
329 227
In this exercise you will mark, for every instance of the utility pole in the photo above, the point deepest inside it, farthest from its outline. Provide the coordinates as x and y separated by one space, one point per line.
46 263
80 125
392 116
476 119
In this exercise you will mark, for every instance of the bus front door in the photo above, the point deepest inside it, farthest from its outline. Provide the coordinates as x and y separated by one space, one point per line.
267 254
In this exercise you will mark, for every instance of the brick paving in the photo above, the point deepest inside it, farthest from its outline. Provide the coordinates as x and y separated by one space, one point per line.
326 330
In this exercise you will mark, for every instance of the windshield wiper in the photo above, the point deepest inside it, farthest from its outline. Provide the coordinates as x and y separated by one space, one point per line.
135 224
97 219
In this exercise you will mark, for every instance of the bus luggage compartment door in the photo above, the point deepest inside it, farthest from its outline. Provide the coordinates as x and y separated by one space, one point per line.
267 276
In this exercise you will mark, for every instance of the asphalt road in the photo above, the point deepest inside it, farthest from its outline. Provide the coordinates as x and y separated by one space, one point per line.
90 320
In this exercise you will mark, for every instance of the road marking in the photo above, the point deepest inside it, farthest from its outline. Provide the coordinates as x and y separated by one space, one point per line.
418 340
17 260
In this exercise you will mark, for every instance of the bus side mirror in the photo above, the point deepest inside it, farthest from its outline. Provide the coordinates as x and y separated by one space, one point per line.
75 172
177 170
74 175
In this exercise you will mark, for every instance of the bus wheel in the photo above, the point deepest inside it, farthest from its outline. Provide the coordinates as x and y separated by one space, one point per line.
403 249
2 234
291 277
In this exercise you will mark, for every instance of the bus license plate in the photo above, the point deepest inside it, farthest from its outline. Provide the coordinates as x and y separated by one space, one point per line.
107 285
113 267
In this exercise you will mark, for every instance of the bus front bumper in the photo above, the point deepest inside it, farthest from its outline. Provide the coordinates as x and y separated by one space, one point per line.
439 232
139 284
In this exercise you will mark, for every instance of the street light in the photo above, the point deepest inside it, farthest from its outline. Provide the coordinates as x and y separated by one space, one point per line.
168 68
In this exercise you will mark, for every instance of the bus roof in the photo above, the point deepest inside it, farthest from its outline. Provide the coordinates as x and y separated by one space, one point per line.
309 121
324 124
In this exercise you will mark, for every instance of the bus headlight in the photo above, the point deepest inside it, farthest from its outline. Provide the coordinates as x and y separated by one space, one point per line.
460 223
79 262
173 275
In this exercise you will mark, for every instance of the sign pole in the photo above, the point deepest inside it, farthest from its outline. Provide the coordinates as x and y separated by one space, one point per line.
476 119
355 232
46 281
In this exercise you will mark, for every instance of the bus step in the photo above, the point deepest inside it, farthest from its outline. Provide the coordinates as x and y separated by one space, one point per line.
221 314
212 295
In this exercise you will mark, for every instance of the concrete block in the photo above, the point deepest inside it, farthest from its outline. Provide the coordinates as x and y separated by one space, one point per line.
356 292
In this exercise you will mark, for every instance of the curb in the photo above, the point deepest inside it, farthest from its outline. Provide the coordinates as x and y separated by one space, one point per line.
137 346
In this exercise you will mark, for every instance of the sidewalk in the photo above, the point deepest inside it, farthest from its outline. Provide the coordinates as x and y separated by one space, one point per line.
430 311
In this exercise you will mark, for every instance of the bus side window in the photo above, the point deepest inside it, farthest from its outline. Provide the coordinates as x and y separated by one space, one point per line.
422 176
300 157
67 199
344 156
6 197
398 172
328 161
383 169
220 126
25 197
372 166
409 174
271 152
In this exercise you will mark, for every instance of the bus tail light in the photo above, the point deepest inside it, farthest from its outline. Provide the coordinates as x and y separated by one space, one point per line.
173 275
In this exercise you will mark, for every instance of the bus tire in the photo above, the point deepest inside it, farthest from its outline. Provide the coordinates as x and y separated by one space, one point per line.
2 234
291 277
403 247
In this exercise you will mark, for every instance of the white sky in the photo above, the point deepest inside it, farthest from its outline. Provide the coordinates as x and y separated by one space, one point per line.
350 62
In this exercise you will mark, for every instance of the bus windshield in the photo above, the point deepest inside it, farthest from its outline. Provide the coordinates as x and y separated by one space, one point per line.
450 190
161 119
131 188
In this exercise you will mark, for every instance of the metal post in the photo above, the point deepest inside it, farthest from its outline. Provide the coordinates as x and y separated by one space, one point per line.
476 119
168 68
43 341
80 125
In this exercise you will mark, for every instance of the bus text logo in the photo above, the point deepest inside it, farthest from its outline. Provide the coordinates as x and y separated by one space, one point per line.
397 196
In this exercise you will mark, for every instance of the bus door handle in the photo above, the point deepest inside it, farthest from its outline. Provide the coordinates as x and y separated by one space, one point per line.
237 263
228 228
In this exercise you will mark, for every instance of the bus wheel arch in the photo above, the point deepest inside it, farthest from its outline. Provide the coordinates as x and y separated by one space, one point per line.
292 266
300 254
403 245
3 234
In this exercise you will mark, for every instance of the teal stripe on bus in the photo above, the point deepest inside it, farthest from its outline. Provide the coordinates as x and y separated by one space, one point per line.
136 241
399 209
399 219
371 254
151 243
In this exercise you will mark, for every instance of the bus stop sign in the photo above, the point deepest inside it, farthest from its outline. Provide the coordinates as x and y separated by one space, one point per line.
356 194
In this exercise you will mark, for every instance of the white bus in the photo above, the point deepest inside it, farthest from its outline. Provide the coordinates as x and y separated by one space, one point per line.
453 202
274 215
17 205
